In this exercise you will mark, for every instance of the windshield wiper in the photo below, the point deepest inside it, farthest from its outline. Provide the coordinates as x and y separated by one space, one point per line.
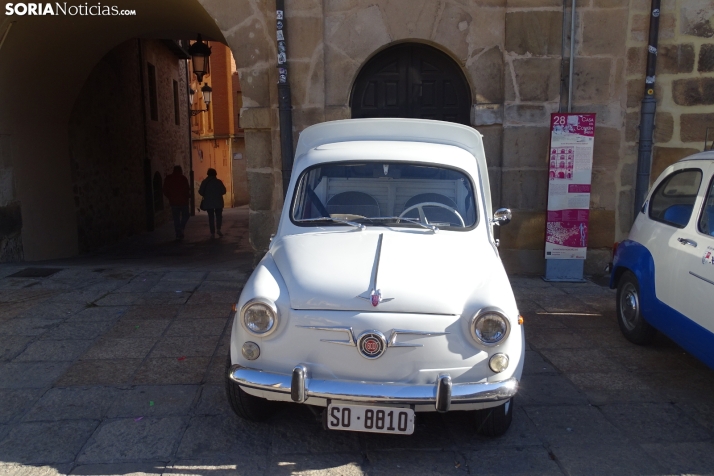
338 220
414 221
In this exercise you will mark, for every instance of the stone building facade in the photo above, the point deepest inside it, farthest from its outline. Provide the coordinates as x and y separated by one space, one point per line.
510 53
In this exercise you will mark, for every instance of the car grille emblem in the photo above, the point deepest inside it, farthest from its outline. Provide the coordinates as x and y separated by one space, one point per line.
371 344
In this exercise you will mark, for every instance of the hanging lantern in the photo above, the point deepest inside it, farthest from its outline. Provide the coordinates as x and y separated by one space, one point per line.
200 52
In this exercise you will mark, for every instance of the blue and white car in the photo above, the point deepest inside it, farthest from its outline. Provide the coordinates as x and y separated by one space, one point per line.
664 271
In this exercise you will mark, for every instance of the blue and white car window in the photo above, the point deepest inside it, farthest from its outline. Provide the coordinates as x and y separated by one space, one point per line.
673 200
706 219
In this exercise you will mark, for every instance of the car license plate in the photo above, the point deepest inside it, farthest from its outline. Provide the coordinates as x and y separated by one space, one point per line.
371 419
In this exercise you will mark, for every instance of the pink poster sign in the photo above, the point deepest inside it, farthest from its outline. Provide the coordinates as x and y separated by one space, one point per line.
572 137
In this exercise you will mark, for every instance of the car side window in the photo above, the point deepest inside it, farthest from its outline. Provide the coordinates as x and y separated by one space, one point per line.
673 200
706 220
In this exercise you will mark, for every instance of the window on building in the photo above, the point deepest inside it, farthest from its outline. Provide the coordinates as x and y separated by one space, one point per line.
177 114
153 97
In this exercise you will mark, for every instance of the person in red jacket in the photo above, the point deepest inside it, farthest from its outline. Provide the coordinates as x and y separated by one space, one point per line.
177 191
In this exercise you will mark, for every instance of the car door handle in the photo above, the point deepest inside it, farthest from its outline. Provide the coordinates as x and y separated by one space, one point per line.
687 241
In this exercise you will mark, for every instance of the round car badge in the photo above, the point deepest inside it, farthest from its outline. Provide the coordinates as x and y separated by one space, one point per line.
371 344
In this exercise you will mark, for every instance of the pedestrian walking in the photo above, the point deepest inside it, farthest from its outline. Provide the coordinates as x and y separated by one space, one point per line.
212 191
177 191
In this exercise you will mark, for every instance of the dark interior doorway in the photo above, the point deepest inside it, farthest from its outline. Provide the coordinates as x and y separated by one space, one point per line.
412 80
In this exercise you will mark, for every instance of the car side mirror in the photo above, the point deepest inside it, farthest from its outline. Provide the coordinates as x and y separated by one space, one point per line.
502 216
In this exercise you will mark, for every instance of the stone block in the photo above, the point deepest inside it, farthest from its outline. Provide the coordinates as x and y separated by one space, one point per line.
606 152
255 118
525 262
339 76
128 440
664 127
533 3
452 30
527 114
417 21
602 191
46 442
336 113
610 3
255 86
641 25
258 149
663 157
604 32
536 33
14 403
525 232
10 220
591 82
692 127
601 228
493 144
673 59
307 82
637 60
74 403
304 117
706 58
100 372
495 183
632 126
357 33
537 79
486 75
625 203
154 401
627 174
696 18
693 91
525 189
486 114
262 226
636 91
525 146
260 186
304 39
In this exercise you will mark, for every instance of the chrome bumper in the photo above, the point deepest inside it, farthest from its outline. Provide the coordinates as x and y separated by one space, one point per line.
441 394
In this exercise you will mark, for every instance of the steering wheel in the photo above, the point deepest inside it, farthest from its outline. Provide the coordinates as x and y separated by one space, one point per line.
422 216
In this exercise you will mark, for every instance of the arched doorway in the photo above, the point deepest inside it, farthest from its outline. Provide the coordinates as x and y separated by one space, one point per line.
412 80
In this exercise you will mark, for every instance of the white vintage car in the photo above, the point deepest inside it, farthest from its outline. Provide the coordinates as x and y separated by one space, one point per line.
382 293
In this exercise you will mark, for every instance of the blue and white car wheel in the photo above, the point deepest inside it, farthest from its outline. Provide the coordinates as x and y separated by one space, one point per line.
629 311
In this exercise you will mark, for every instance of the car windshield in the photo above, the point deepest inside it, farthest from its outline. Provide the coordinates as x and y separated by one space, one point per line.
384 194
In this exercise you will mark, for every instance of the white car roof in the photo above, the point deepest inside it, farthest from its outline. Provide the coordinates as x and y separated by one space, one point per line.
396 130
706 155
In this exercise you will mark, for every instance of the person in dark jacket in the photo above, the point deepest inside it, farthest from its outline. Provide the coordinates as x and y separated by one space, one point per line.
212 191
177 191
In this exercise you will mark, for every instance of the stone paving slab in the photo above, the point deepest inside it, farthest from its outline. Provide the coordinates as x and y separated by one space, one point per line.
108 335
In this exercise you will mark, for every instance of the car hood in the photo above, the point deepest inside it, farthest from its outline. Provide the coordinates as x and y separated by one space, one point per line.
415 271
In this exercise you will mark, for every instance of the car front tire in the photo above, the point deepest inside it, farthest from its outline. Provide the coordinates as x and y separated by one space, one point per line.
629 311
494 421
245 405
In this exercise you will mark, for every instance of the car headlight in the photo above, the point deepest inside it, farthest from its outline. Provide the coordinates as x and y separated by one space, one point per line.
490 326
259 317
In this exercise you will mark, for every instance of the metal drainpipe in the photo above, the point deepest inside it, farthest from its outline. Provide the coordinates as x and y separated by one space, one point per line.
284 102
647 115
572 55
562 58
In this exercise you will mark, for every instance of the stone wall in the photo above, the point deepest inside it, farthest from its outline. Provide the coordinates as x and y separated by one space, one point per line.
510 52
107 146
10 213
533 91
684 88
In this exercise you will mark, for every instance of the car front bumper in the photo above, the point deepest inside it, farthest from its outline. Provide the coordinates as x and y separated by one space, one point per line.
441 394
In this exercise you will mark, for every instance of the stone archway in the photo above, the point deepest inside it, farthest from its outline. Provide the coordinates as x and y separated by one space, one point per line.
412 80
41 79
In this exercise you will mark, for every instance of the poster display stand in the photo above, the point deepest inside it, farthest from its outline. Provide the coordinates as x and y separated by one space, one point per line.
572 137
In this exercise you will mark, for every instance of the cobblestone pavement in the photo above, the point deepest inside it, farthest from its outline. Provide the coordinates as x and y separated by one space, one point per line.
114 365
